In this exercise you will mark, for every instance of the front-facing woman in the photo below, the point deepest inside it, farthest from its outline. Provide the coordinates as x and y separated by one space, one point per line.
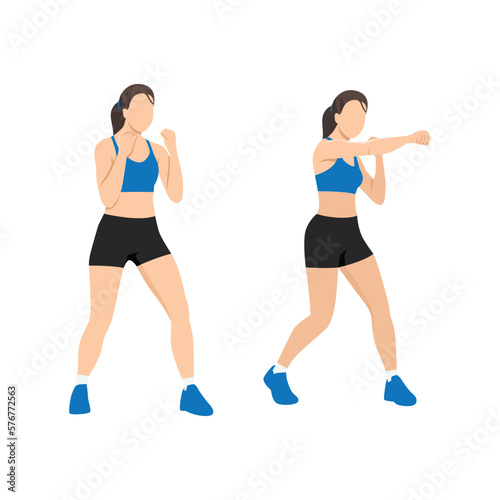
333 241
128 166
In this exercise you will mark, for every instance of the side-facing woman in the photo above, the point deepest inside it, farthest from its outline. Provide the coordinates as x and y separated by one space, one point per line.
333 241
128 166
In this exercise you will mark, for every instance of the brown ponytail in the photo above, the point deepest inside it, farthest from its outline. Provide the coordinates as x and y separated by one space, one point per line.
329 123
117 118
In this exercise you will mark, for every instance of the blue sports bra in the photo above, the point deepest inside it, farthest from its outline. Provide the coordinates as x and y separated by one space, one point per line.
139 177
340 177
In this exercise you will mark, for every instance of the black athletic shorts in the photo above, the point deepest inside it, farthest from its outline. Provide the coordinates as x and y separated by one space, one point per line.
119 239
334 242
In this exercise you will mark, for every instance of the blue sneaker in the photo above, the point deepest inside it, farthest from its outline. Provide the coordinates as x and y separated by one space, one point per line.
193 402
277 382
79 400
396 391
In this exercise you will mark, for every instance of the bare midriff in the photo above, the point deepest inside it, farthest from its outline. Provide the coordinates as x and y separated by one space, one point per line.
134 205
334 204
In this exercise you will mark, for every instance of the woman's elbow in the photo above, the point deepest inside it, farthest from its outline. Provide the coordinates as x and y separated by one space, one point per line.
175 197
175 191
378 199
108 200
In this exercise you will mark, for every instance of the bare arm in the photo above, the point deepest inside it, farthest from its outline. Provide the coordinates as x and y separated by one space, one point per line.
110 172
374 187
331 150
170 168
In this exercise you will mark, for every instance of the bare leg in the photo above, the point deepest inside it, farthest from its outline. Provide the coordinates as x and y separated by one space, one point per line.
364 276
104 284
163 278
322 283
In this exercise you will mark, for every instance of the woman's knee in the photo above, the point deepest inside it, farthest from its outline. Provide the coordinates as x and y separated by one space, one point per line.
321 320
380 311
99 324
179 314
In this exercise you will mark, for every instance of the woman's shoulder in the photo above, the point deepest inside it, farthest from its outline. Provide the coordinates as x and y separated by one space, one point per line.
323 151
104 145
158 148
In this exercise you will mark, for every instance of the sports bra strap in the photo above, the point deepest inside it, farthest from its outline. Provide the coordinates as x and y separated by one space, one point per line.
114 142
328 138
116 145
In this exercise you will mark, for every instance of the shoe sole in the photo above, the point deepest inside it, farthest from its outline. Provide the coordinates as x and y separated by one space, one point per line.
399 404
197 414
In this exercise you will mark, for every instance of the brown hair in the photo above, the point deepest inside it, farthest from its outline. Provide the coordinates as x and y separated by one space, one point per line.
117 118
337 106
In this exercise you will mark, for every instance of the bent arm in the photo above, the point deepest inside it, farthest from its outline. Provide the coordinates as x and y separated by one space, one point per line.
109 173
374 187
170 172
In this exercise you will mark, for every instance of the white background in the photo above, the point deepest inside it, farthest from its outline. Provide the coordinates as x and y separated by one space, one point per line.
219 78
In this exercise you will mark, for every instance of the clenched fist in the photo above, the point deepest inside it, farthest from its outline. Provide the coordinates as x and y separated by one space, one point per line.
126 142
169 138
420 137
